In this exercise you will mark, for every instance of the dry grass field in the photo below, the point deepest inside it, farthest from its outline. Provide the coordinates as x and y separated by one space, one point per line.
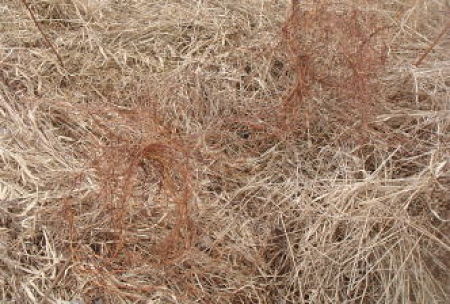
224 151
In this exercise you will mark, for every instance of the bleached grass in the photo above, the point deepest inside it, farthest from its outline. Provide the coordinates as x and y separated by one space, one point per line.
157 165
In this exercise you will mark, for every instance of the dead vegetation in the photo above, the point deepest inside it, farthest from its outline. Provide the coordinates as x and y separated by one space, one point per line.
224 152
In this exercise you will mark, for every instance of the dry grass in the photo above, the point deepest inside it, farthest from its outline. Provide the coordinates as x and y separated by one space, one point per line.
252 151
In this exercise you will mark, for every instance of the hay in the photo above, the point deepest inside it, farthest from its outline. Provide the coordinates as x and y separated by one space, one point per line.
224 152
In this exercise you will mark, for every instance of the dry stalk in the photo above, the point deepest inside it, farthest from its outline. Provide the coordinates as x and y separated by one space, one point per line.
44 35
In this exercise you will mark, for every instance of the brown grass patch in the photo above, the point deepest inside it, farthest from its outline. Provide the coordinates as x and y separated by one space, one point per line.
224 152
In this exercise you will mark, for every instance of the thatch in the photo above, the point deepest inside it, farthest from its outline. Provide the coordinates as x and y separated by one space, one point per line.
233 151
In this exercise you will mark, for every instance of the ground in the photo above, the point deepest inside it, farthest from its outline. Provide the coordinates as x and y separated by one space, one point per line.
234 151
